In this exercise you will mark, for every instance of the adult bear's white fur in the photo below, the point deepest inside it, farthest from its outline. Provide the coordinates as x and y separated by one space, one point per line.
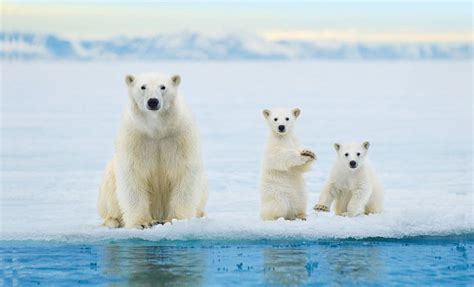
282 188
354 186
157 172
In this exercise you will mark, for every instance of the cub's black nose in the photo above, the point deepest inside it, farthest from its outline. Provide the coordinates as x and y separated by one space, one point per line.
281 128
153 104
353 163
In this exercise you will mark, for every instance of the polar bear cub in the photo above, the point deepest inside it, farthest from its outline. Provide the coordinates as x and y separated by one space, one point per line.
157 172
282 187
353 184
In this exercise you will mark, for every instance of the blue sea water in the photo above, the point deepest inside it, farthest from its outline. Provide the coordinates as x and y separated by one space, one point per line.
426 261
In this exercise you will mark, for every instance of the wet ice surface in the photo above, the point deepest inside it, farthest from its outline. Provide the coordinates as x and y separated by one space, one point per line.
427 261
59 121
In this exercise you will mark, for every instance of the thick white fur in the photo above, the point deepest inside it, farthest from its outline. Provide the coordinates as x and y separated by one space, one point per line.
355 191
282 187
157 172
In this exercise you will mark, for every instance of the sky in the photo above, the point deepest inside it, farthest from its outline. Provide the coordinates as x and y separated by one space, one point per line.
376 21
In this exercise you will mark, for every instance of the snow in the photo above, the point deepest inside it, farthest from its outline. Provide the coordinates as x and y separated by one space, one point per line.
59 121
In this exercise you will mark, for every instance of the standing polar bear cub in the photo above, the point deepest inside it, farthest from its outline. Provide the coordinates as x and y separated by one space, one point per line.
157 173
352 184
282 186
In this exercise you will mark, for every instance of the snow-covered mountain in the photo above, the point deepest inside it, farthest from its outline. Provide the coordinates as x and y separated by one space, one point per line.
195 46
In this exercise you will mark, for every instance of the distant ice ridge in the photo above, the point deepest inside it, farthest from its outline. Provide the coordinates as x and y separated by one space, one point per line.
196 46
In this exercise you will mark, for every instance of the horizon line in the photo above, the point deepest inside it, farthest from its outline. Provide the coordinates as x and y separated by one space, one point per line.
323 36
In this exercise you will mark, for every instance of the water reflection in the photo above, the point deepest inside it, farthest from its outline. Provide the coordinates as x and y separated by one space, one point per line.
353 263
337 263
285 266
156 265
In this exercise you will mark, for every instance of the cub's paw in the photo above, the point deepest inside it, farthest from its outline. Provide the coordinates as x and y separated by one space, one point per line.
321 208
148 224
308 153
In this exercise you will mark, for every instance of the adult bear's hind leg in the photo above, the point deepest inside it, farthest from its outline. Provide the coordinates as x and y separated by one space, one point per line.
107 204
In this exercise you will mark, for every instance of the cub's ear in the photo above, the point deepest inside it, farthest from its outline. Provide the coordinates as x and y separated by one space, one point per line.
266 113
129 80
337 146
366 144
176 80
296 112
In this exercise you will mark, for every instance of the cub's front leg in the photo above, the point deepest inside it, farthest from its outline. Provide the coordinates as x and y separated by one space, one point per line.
133 198
285 159
358 201
325 199
311 159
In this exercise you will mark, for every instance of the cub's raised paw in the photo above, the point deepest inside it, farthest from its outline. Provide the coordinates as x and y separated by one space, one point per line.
308 153
322 208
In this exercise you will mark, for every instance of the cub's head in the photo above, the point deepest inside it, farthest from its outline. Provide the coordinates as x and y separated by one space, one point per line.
280 120
152 92
352 155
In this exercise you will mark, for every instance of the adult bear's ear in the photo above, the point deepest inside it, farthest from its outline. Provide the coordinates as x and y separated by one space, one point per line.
366 144
266 113
337 146
296 112
129 80
176 80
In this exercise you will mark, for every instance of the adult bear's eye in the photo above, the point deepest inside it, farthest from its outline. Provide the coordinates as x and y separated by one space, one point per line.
143 87
346 154
162 87
358 154
275 119
287 119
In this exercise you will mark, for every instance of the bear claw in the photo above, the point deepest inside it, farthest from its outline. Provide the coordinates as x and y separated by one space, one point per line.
308 153
149 224
320 207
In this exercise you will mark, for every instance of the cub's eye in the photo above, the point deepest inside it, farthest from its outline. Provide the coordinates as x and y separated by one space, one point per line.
287 119
143 87
275 119
358 154
347 154
162 87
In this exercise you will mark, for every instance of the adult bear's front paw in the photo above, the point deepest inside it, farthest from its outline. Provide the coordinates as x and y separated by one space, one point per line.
148 224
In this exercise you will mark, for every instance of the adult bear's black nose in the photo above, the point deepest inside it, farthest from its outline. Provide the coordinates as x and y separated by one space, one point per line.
281 128
353 164
153 104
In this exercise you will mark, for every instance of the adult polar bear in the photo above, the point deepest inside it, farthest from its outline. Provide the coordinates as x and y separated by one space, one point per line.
157 173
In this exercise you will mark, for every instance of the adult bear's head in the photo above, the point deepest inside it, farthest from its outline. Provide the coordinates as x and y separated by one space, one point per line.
153 92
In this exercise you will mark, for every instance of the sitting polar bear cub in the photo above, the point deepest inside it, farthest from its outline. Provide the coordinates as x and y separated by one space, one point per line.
352 184
282 186
157 172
